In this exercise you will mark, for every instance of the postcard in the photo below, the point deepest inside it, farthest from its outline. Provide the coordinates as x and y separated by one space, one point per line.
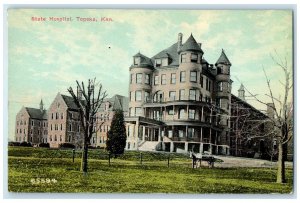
149 101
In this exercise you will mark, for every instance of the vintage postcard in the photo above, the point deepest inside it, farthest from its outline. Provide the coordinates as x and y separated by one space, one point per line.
150 101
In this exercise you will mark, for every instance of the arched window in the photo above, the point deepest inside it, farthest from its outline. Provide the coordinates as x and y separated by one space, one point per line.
181 114
55 138
50 138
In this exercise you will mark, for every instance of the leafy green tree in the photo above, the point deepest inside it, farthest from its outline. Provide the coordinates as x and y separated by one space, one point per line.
116 136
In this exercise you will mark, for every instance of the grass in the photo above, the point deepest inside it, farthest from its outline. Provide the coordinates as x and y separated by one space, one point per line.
127 175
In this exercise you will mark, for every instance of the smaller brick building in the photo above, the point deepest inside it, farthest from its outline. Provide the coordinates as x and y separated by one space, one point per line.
104 118
31 125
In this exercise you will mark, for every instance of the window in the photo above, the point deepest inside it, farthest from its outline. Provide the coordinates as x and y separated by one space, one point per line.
193 76
170 133
24 131
17 130
138 95
192 113
131 78
138 111
147 96
38 132
56 115
219 70
69 139
70 127
52 116
147 79
71 115
183 58
181 94
62 116
171 112
156 80
158 62
40 124
181 114
139 78
180 133
172 95
207 81
60 138
51 138
192 95
191 132
209 85
51 127
220 86
173 78
17 122
55 138
201 80
163 79
31 123
194 58
131 96
44 124
136 60
182 76
61 127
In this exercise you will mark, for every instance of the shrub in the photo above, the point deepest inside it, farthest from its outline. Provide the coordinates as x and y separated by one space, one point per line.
13 143
25 144
67 145
46 145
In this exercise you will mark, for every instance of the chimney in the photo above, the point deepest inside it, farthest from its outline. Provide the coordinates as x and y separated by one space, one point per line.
79 93
179 43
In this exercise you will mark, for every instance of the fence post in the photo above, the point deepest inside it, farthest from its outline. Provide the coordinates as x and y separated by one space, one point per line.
141 158
168 160
73 153
109 159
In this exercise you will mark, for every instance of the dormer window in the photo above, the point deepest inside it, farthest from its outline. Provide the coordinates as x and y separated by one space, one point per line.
136 60
194 58
158 63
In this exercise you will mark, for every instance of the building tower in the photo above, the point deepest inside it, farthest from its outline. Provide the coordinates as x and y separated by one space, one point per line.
223 95
140 84
242 92
41 105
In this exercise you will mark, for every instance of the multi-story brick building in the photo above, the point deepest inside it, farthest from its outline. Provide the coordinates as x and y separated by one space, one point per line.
251 130
64 122
178 101
31 125
65 125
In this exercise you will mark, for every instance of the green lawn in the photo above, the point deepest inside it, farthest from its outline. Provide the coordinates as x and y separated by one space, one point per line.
126 174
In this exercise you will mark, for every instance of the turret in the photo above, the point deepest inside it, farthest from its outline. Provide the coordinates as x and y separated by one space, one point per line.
190 51
140 83
242 92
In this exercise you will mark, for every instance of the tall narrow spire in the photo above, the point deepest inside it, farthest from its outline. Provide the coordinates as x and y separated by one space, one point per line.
223 59
41 105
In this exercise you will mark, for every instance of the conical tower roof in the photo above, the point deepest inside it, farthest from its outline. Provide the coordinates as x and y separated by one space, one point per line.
223 59
242 88
191 45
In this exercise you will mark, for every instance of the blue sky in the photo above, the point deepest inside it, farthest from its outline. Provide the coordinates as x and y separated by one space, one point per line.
47 57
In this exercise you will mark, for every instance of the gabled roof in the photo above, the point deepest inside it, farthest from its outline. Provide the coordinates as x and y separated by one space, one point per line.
171 52
36 113
117 102
191 45
145 61
70 102
223 59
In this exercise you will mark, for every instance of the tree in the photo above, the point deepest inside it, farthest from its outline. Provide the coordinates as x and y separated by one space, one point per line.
283 114
116 136
88 106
